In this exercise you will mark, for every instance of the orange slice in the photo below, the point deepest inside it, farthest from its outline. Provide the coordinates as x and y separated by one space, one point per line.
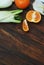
33 16
25 26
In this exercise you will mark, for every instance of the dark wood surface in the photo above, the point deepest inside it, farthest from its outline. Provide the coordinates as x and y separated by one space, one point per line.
18 47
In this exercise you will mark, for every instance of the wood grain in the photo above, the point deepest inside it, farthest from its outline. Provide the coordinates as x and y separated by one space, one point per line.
18 47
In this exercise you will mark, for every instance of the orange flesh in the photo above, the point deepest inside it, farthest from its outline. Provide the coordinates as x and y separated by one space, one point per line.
36 17
29 15
25 26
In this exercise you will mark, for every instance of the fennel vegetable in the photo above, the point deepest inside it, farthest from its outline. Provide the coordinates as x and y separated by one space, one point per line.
5 3
10 16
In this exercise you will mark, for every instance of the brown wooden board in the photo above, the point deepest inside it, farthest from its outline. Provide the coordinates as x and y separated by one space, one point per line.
18 47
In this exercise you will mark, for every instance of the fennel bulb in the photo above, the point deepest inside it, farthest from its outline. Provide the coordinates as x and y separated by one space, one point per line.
5 3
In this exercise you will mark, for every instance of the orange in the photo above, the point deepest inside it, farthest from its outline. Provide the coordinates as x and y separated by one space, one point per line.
33 16
22 4
25 26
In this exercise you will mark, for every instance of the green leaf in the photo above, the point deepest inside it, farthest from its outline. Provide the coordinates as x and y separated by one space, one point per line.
18 17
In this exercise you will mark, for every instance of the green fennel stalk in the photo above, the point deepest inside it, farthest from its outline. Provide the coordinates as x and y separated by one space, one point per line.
10 16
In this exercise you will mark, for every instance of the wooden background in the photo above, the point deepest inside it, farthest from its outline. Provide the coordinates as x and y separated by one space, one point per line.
18 47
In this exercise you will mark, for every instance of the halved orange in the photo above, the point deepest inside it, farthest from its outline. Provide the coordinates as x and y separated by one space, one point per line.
33 16
25 26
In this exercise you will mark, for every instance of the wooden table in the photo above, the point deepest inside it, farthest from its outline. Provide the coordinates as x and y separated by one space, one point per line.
20 48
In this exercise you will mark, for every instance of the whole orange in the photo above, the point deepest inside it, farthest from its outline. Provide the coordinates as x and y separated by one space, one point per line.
22 4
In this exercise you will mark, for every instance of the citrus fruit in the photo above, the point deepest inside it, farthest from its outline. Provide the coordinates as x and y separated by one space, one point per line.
25 26
22 4
33 16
